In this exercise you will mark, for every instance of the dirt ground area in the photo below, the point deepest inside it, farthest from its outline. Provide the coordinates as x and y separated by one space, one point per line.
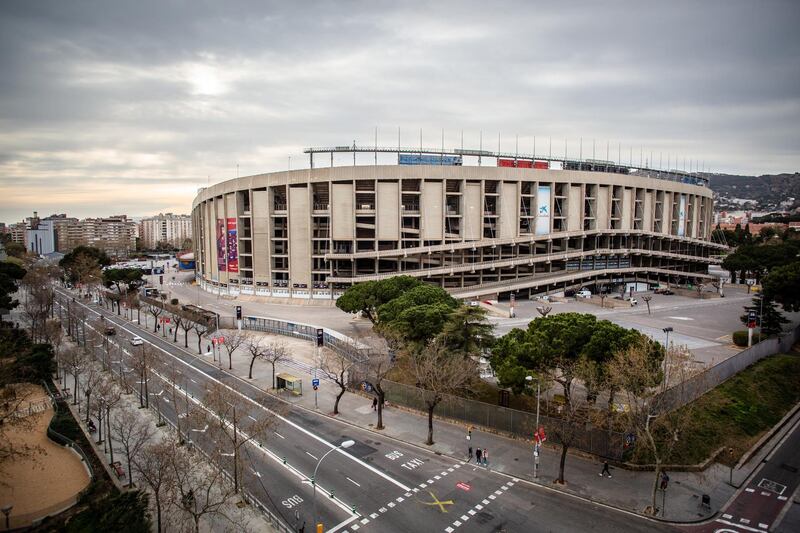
47 480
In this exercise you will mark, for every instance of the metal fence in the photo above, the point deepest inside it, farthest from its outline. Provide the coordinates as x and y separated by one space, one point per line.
698 385
584 437
331 339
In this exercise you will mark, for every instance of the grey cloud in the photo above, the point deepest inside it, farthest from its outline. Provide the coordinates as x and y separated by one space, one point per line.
715 80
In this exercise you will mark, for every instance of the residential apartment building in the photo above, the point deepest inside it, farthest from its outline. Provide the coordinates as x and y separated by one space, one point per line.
170 228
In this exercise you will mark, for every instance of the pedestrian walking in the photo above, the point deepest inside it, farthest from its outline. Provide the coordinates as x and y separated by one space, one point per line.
478 456
605 470
485 457
375 403
469 455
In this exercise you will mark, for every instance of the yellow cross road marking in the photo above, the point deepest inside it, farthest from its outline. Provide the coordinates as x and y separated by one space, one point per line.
438 503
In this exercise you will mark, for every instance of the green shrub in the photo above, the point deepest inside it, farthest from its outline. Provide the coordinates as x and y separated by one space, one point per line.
740 338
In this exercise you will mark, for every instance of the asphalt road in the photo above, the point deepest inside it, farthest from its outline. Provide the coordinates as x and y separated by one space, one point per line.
761 502
379 484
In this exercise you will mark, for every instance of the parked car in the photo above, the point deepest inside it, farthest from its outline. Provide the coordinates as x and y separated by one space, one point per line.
137 341
666 292
570 292
584 293
110 330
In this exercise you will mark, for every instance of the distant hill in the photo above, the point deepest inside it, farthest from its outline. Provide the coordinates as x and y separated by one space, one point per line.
765 193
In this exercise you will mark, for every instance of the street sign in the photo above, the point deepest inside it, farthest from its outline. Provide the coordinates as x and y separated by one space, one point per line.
751 316
315 382
540 435
366 386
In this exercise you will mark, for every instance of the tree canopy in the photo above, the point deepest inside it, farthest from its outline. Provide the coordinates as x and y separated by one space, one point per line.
131 278
417 315
565 346
368 296
83 264
10 274
782 285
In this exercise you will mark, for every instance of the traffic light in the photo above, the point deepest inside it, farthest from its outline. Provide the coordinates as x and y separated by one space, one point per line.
238 312
320 337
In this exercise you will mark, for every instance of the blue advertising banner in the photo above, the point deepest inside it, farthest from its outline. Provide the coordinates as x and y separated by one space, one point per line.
426 159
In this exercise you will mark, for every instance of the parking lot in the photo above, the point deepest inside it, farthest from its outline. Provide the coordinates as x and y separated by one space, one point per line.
702 325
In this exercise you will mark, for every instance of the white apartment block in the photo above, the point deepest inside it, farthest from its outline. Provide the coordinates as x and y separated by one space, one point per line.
174 229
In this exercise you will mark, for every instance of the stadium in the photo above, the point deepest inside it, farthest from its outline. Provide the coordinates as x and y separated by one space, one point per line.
480 224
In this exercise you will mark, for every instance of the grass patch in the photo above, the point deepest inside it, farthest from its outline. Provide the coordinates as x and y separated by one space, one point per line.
738 413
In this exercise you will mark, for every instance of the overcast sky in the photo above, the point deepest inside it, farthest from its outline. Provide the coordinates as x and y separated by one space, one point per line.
128 107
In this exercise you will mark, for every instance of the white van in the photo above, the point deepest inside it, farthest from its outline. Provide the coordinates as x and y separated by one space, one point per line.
583 293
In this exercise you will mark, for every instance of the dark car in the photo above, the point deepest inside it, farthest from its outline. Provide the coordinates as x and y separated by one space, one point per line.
570 292
110 330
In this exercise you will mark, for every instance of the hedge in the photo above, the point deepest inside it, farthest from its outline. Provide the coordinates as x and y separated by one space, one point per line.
740 338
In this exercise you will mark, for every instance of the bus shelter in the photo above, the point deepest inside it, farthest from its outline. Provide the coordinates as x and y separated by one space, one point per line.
289 383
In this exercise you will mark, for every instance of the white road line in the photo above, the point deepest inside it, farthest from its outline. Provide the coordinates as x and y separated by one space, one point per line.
744 520
464 518
749 490
365 521
342 524
278 434
727 516
374 516
764 493
252 418
314 456
449 529
456 523
383 509
763 525
390 504
399 499
740 526
472 512
276 415
351 481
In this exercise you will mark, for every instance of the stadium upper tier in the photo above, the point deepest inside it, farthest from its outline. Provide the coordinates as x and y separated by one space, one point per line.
515 224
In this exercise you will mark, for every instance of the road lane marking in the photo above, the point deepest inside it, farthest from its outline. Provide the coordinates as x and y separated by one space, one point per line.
252 418
247 398
749 490
278 434
727 516
763 525
314 456
741 526
351 481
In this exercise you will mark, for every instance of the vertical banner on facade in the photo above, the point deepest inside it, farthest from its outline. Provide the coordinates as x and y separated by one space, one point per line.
543 210
221 248
233 249
682 216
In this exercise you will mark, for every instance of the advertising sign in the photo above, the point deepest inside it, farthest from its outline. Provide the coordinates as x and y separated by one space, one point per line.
543 210
233 250
514 163
426 159
682 216
221 248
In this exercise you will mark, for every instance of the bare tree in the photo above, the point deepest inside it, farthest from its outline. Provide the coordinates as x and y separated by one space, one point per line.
200 328
256 349
232 340
133 432
177 320
378 362
156 311
273 353
651 412
336 367
646 300
54 334
230 426
93 379
574 416
153 465
440 372
201 491
176 382
186 325
143 360
14 397
75 360
544 310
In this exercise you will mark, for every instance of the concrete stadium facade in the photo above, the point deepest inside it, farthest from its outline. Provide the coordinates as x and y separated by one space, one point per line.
478 231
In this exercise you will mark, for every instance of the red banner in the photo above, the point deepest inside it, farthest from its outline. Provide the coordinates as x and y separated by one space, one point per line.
233 249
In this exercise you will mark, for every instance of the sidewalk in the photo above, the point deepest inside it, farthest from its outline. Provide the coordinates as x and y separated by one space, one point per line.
626 490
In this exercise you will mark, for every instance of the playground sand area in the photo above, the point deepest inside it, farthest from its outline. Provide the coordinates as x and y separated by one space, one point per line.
47 480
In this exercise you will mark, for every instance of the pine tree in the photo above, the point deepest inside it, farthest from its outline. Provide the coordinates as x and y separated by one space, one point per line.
767 314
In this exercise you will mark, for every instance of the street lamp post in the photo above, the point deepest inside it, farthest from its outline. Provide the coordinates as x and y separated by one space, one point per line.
666 330
345 444
7 511
536 449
